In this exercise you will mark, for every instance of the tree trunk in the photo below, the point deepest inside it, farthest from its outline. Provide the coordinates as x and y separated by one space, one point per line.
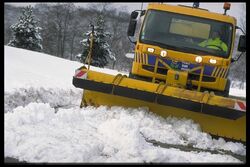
72 46
65 31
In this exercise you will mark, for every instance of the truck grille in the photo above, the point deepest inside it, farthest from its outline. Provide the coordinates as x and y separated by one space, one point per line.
204 78
190 76
159 70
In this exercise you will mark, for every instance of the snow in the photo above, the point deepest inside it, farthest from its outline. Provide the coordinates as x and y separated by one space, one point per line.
238 89
43 121
95 135
26 69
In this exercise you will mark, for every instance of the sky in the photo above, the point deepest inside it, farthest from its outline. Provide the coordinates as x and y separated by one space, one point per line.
236 9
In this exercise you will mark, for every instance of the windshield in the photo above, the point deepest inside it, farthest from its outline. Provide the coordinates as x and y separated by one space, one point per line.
187 33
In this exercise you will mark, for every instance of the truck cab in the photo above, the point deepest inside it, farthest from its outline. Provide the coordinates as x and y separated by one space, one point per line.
184 46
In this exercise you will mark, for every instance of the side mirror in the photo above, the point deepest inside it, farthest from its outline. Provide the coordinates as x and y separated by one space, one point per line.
242 44
132 23
143 12
134 15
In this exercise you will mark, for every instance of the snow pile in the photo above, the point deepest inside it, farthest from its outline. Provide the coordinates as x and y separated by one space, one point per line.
36 133
43 121
56 97
185 132
238 89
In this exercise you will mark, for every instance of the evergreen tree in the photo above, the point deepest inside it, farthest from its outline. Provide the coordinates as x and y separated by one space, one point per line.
26 32
101 49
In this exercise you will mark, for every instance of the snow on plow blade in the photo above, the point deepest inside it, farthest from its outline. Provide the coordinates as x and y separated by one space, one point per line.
219 116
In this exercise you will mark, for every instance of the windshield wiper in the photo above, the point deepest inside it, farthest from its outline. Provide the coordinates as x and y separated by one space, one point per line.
176 48
208 52
195 50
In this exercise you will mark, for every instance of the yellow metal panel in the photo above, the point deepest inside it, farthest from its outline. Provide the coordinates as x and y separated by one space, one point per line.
177 78
135 68
222 83
135 56
214 71
224 76
221 73
235 129
217 72
144 58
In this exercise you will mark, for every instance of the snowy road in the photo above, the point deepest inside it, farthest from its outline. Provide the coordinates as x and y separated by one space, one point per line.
43 122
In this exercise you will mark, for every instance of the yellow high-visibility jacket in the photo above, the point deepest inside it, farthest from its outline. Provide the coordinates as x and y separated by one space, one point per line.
214 44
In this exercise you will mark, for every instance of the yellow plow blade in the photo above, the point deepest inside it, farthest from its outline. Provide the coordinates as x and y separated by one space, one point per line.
219 116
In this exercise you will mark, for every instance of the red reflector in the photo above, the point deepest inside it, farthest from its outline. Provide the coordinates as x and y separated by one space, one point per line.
242 105
80 73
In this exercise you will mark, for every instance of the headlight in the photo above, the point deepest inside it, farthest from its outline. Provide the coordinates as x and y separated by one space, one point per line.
151 50
198 59
212 61
163 53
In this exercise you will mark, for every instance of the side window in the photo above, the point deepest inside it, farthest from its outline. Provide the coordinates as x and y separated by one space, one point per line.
226 30
156 25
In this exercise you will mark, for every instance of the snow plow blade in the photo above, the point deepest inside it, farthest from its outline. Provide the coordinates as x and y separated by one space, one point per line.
218 116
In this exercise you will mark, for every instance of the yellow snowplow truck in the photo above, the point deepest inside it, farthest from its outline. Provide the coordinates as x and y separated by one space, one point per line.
180 68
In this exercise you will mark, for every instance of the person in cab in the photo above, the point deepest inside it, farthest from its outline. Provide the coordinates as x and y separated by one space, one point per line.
214 42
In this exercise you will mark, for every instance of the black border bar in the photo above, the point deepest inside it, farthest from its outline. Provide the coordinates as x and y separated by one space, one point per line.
158 98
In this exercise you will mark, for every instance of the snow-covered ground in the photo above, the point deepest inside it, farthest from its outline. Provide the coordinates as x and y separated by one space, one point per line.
43 121
238 89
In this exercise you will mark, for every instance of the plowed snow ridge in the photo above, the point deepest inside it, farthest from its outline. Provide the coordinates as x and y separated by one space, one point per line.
98 134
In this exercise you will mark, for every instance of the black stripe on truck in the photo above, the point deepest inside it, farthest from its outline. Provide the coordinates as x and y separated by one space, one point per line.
134 93
159 99
179 103
222 112
92 85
